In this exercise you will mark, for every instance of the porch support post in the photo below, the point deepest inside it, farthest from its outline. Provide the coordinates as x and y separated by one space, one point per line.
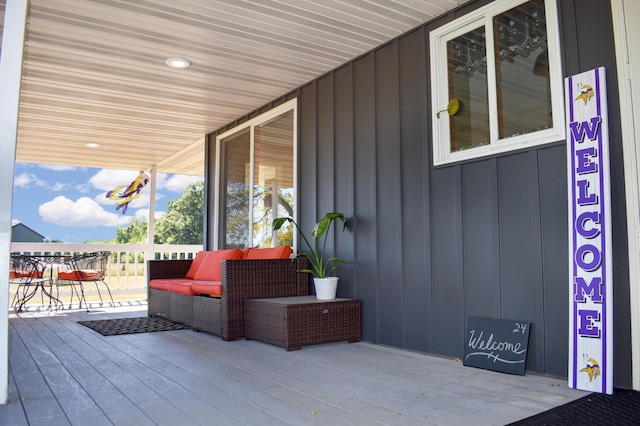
152 206
13 36
150 250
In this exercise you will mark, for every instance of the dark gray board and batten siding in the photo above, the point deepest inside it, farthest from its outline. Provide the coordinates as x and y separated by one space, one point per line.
430 246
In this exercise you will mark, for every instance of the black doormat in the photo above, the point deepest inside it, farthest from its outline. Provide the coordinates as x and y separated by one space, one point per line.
114 327
621 408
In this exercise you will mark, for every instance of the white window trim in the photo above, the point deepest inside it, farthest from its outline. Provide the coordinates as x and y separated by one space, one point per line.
291 105
439 87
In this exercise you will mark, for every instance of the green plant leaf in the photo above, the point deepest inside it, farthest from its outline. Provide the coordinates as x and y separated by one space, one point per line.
323 224
319 267
279 221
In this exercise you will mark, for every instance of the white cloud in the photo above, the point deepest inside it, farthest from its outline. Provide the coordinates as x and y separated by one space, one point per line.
160 180
26 180
83 188
107 179
144 214
82 213
178 183
59 186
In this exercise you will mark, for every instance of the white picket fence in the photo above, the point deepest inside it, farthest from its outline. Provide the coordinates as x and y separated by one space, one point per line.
127 270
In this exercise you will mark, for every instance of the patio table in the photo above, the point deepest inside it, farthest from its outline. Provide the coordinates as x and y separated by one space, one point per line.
293 322
32 273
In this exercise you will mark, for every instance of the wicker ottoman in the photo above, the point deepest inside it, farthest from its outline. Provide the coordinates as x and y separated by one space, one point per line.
293 322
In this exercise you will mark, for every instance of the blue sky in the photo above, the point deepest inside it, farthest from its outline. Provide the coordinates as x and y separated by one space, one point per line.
69 203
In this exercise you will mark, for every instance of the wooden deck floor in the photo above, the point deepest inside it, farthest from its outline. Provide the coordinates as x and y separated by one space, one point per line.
64 373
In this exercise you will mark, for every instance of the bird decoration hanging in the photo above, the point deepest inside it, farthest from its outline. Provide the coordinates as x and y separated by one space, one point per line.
127 193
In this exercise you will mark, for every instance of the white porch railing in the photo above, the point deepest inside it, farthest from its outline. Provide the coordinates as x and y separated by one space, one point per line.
127 269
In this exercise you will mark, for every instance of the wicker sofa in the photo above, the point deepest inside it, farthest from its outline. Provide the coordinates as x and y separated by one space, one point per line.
240 279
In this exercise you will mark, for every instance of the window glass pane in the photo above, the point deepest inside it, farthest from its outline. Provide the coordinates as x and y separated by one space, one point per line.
467 63
273 178
235 152
522 70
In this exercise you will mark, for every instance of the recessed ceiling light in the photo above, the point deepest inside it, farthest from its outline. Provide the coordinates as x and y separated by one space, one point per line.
178 63
92 145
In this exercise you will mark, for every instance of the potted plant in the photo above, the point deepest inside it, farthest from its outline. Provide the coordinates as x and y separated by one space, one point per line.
321 267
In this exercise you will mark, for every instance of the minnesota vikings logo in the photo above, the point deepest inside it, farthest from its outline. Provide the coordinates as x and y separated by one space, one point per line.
592 368
586 92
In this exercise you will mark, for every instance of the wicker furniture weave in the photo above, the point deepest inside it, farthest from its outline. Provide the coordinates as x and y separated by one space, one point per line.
293 322
240 280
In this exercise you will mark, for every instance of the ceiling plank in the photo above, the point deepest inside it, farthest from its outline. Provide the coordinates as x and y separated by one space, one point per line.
94 70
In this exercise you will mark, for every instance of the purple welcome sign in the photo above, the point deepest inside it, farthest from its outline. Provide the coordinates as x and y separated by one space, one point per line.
590 265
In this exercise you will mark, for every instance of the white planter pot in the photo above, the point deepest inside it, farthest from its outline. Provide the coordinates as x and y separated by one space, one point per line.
326 288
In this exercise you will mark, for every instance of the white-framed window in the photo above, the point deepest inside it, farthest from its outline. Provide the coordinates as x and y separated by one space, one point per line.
256 180
496 81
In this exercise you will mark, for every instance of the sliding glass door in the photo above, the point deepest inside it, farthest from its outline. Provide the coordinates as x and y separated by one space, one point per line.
256 164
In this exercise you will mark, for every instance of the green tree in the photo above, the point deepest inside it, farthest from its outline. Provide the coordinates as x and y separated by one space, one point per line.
136 232
183 223
98 241
236 215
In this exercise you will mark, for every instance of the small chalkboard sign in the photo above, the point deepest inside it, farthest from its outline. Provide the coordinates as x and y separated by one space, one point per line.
496 344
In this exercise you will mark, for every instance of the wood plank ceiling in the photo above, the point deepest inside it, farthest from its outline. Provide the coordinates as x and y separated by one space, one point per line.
94 70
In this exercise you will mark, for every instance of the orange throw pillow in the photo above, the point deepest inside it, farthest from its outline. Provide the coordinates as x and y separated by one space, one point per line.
282 252
210 268
195 264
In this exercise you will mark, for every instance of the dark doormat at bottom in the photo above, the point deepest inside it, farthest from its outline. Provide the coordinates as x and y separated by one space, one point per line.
114 327
596 409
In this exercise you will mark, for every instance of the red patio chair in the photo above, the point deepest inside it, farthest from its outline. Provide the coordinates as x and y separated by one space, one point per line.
84 268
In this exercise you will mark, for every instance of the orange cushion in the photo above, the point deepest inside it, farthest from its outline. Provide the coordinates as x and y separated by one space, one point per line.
282 252
80 275
163 283
22 274
182 287
211 288
210 269
159 284
195 264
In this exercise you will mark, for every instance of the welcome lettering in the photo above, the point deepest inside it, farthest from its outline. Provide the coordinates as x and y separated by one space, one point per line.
587 255
590 257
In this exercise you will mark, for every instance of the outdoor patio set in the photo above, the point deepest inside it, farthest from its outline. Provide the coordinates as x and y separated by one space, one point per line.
253 293
49 273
